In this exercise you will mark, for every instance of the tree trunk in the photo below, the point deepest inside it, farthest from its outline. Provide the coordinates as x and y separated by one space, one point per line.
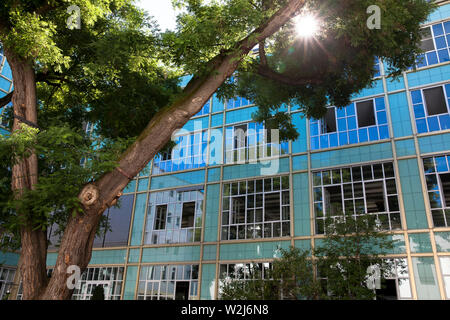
25 176
77 241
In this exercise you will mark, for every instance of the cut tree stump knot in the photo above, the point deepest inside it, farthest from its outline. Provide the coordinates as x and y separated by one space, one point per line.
89 195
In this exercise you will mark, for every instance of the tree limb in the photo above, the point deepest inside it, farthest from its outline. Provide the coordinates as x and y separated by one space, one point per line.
6 99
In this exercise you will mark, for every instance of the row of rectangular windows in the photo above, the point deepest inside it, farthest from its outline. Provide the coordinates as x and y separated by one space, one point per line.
356 123
260 208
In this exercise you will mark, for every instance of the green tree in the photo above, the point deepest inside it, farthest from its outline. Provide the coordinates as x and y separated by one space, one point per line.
350 247
113 67
337 269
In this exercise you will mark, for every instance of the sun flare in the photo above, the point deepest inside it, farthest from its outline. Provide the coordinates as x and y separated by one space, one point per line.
306 25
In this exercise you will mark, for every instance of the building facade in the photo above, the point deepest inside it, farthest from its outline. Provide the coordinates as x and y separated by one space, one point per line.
229 195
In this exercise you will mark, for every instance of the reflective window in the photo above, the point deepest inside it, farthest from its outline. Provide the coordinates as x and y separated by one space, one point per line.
445 268
118 227
356 123
395 284
6 281
431 109
244 271
355 191
250 142
109 278
434 44
237 102
205 109
254 209
437 176
166 282
174 216
189 153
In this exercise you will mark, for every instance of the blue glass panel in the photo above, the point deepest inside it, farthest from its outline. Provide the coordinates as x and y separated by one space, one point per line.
416 96
363 135
343 139
340 112
443 55
440 42
351 110
447 27
342 124
421 61
373 133
419 111
381 117
432 58
384 132
353 136
433 124
314 127
351 123
314 143
379 104
334 140
445 121
441 164
324 141
438 30
447 89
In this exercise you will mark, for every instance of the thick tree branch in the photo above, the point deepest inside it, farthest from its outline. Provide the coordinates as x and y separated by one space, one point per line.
6 99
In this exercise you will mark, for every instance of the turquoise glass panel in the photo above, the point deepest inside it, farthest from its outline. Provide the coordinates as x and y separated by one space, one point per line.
248 251
405 148
420 242
208 285
412 194
302 226
178 179
130 283
425 278
171 254
209 252
442 241
138 220
212 212
400 116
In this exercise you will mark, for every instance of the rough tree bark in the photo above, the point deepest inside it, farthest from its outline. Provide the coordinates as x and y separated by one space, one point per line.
77 241
25 176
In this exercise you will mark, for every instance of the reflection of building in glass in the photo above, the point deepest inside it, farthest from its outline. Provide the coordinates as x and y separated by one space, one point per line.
200 212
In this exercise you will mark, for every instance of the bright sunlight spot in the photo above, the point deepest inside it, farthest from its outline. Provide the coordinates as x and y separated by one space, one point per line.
306 25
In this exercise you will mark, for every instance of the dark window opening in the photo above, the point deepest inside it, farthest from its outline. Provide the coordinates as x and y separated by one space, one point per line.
160 219
238 209
445 181
182 290
333 201
388 290
329 121
271 206
427 43
435 101
240 136
366 114
375 197
187 220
